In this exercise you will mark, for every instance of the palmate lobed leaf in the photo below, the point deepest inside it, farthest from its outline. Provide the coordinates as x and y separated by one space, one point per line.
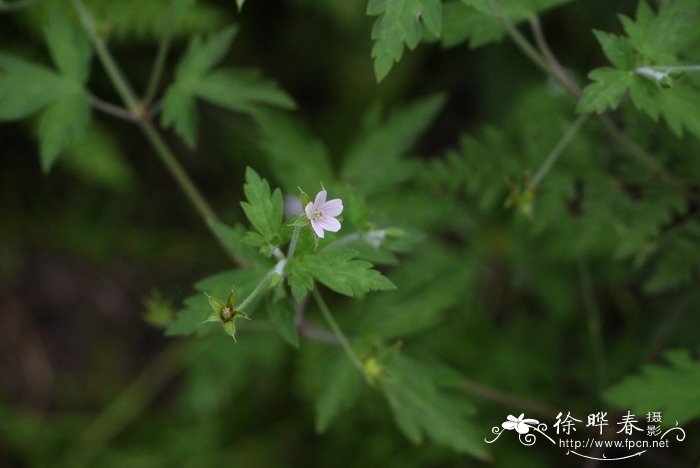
135 21
233 240
26 88
421 409
608 87
671 389
617 49
376 157
462 22
70 48
653 39
339 270
420 302
203 53
264 208
343 385
282 313
399 25
660 36
296 157
477 21
516 10
240 90
63 122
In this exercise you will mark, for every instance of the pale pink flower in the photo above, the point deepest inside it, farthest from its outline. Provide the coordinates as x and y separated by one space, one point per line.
322 213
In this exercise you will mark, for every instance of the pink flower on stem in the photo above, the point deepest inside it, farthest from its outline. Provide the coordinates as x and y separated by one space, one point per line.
322 213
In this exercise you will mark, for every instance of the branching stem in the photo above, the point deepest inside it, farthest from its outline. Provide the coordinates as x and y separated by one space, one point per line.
112 109
163 48
137 112
557 151
547 62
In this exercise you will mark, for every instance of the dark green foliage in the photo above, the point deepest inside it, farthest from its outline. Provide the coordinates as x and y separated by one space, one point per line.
471 278
671 390
26 88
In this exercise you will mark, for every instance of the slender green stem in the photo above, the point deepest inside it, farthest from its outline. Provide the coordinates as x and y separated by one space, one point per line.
553 64
547 62
115 74
141 117
590 308
293 243
163 48
337 330
16 5
262 284
520 41
557 151
112 109
176 170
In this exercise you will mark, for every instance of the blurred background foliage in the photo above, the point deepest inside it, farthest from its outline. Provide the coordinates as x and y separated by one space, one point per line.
96 257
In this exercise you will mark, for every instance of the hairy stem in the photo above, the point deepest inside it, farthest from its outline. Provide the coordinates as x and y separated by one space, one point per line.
112 109
337 330
557 151
163 48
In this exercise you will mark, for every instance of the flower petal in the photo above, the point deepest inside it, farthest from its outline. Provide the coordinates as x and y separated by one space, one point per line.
316 225
320 198
308 209
508 425
329 224
512 418
333 207
532 422
522 428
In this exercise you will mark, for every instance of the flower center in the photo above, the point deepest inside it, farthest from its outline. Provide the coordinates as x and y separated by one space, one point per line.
226 314
316 214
